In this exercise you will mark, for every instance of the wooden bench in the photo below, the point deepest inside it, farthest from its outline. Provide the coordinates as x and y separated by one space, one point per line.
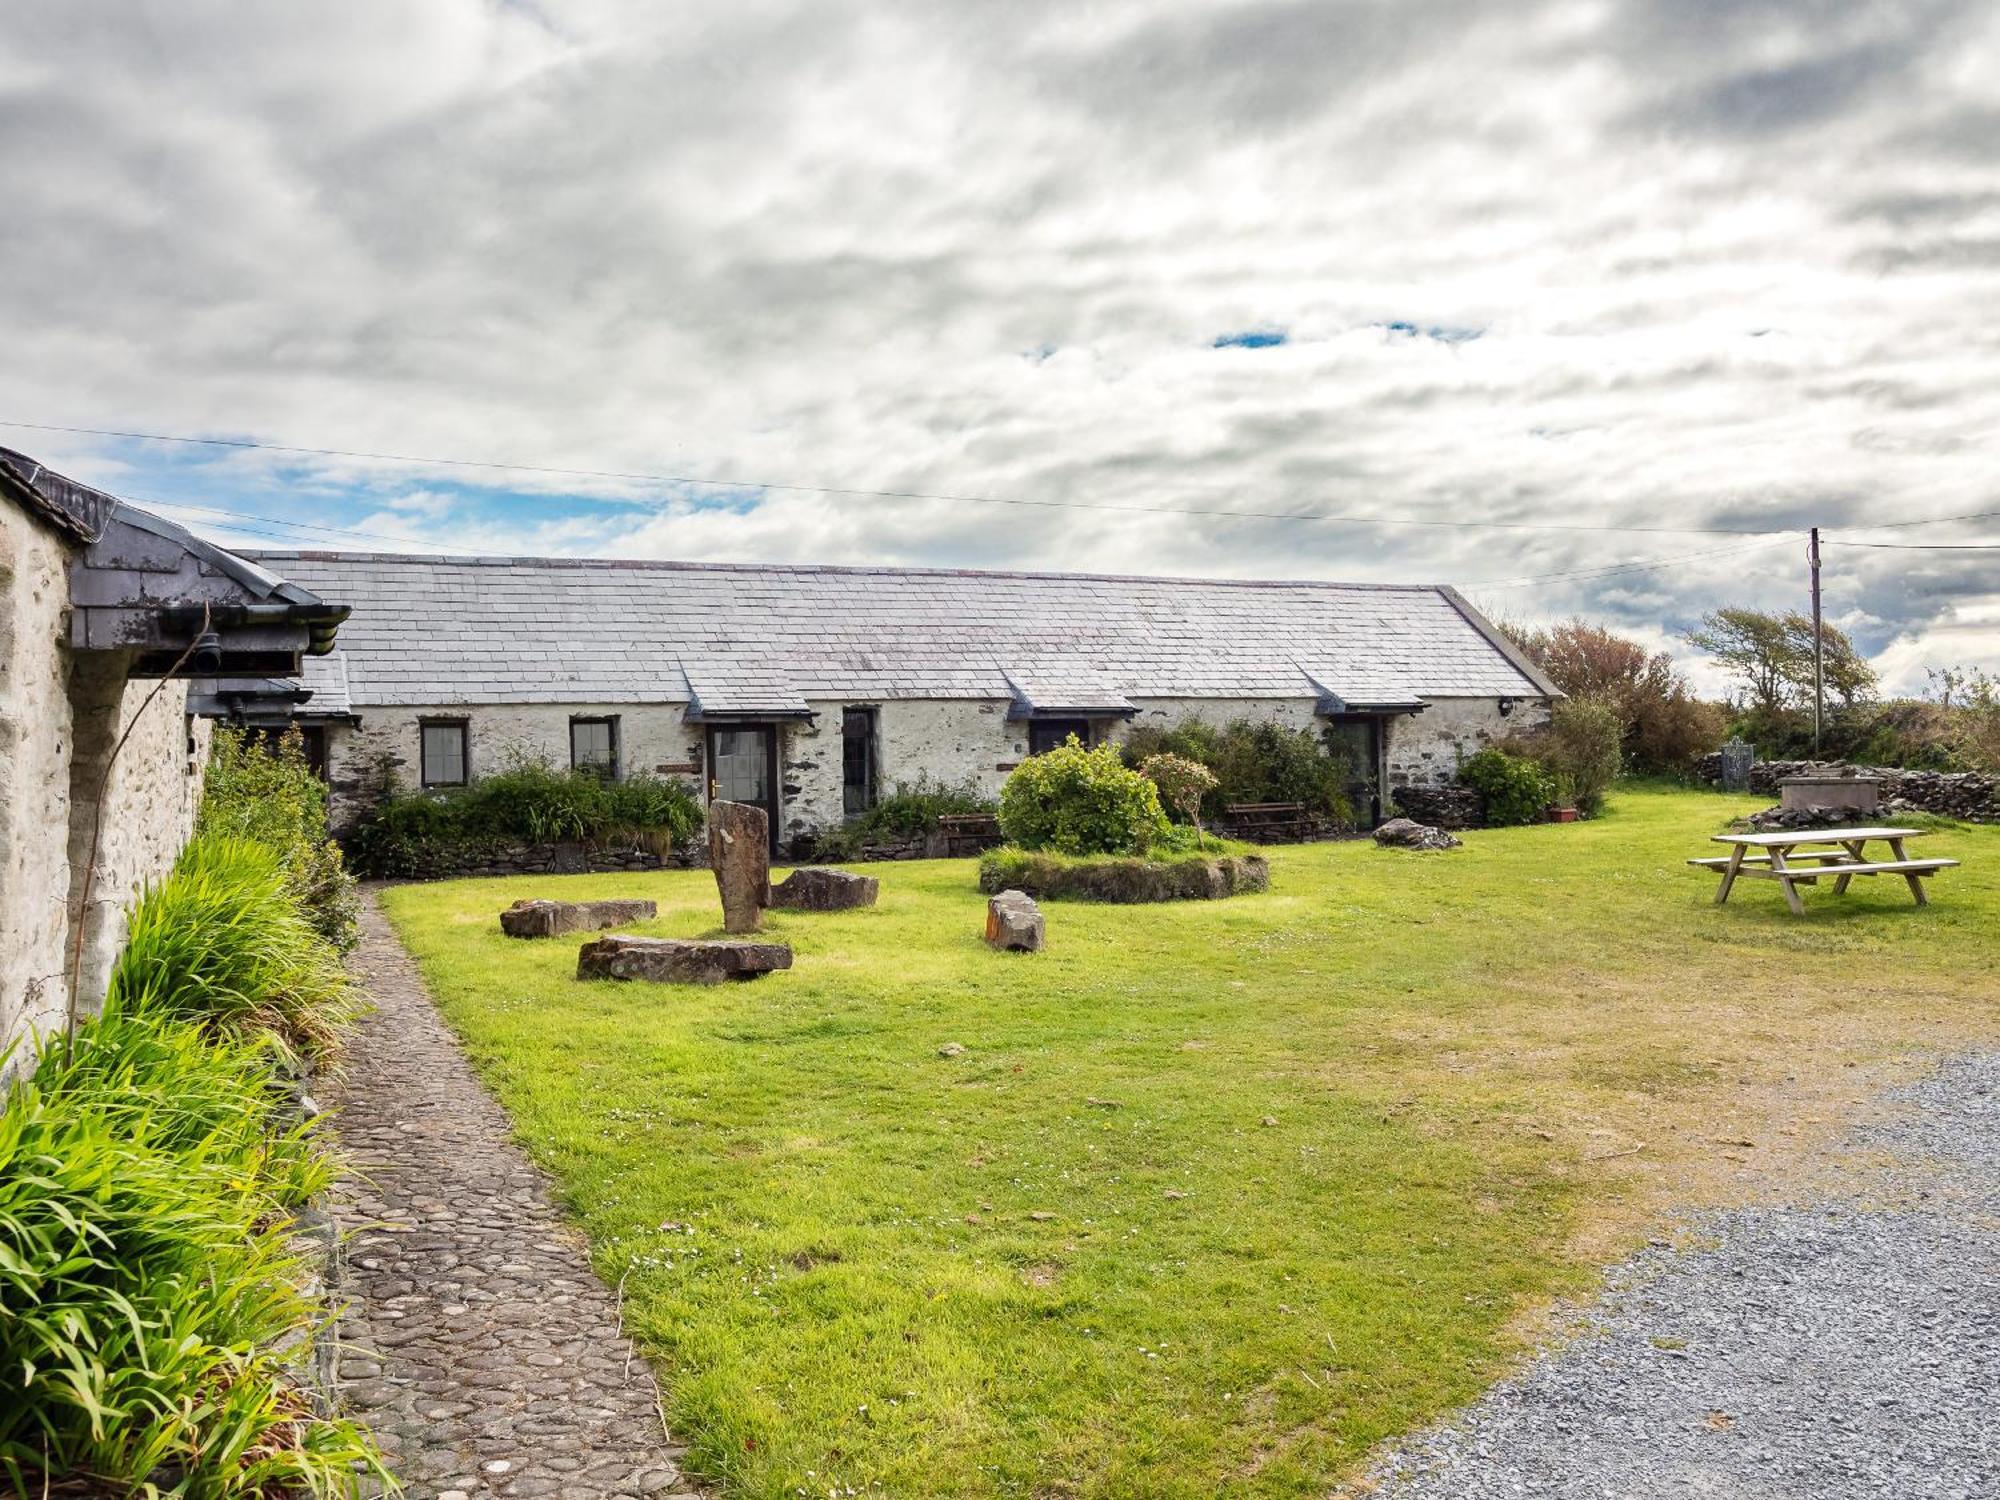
1269 822
969 833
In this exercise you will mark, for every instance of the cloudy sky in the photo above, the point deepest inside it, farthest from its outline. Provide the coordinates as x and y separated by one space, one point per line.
1100 280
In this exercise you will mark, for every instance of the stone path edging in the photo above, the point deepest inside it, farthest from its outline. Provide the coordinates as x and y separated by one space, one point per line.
477 1341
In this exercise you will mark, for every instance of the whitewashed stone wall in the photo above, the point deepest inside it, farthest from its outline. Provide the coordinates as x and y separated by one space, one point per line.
950 740
34 774
149 800
60 716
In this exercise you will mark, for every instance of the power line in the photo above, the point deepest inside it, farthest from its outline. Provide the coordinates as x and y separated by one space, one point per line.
825 489
1925 547
1633 567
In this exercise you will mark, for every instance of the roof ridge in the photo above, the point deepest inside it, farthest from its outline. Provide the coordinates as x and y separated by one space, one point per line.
469 560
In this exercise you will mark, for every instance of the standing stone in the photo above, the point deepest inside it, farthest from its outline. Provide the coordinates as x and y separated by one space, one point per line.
815 889
678 960
1013 921
739 851
1738 756
540 919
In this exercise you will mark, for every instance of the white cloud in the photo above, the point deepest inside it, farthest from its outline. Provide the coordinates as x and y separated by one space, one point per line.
1731 264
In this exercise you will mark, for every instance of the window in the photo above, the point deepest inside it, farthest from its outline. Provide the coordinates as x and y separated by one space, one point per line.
593 746
444 757
1048 734
857 760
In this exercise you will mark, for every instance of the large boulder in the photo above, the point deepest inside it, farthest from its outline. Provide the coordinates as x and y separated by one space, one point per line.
1407 833
739 851
679 960
816 889
1013 921
541 919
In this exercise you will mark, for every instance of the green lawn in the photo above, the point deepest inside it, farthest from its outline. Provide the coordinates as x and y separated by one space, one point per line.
1218 1194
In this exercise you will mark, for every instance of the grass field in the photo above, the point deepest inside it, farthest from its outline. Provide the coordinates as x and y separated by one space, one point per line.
1218 1194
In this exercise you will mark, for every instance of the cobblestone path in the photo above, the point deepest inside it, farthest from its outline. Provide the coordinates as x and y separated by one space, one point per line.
477 1342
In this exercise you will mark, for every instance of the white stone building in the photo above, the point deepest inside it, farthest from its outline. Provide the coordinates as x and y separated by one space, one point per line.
813 690
100 604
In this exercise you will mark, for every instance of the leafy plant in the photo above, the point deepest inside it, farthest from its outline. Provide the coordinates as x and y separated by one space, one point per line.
1079 801
1515 788
1182 783
150 1300
263 789
223 940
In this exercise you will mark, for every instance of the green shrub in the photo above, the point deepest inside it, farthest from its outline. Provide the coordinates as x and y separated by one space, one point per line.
264 790
528 802
1515 788
1252 761
150 1298
1124 878
1078 801
1579 751
911 811
223 940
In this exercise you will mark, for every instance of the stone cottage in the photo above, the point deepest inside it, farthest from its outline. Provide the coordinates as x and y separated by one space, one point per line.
811 691
101 603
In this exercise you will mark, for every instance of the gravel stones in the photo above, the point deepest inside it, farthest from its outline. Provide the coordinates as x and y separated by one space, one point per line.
474 1332
1844 1350
1407 833
1014 923
542 919
679 960
815 889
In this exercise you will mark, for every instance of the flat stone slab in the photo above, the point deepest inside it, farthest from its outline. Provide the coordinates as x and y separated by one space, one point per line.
541 919
815 889
679 960
1014 923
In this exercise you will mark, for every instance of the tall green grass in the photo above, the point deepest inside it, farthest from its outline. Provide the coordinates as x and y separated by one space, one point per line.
151 1301
224 941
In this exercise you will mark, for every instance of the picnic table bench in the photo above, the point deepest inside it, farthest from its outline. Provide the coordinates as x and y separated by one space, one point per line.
1803 857
1268 822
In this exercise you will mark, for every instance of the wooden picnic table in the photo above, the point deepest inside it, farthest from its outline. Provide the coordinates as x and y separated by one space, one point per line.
1269 822
1802 856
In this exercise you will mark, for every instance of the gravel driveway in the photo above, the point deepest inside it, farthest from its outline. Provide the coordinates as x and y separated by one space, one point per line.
1846 1349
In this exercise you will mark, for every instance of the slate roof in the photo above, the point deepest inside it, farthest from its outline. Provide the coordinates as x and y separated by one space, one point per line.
452 630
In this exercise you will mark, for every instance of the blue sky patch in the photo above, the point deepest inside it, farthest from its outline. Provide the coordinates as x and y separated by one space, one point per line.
1251 338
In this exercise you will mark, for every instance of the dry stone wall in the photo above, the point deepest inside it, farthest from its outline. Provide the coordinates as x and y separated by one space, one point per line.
1972 796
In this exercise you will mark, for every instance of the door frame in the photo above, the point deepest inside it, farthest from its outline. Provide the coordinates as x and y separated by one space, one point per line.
1378 740
774 779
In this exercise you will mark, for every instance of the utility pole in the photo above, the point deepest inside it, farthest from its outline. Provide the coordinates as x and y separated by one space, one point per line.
1819 643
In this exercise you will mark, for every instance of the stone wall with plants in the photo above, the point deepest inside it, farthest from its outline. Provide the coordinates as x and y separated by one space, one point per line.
163 1328
529 818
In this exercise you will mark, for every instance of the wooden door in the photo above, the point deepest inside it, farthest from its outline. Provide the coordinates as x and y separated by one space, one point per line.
743 767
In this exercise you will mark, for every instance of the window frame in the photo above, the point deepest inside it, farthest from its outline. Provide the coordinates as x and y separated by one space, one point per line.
464 729
611 771
1038 729
870 715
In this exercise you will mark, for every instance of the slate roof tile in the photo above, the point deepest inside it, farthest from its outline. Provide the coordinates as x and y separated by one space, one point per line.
755 637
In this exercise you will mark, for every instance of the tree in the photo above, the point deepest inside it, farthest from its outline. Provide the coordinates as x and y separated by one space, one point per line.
1182 783
1665 726
1772 655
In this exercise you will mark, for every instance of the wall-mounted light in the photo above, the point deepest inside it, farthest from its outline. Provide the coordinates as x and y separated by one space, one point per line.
1506 707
